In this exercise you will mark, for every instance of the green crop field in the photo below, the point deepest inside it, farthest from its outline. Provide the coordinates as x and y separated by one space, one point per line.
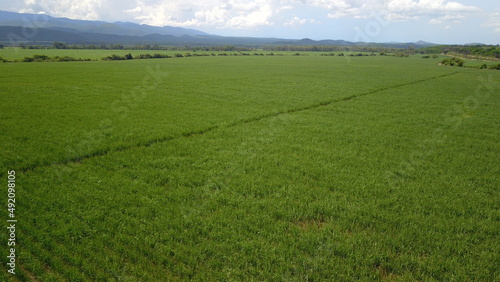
260 168
18 53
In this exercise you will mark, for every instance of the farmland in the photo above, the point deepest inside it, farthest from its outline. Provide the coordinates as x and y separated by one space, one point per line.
251 168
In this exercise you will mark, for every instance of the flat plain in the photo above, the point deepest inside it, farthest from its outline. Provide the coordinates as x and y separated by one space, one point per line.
252 168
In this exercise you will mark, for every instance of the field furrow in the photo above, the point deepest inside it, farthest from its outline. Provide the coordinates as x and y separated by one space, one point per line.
310 169
147 143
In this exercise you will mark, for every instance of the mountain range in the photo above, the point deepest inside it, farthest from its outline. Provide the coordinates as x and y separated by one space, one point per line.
44 29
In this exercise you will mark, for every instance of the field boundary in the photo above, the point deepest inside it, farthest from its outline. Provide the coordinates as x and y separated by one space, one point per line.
149 143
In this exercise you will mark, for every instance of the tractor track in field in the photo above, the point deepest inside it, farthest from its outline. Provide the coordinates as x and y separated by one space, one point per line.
233 124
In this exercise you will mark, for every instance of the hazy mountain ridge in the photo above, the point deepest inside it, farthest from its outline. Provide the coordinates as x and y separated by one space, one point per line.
118 28
50 29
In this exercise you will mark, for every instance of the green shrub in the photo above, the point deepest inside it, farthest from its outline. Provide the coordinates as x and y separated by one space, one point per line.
495 67
160 56
113 58
40 58
143 56
453 62
68 59
402 54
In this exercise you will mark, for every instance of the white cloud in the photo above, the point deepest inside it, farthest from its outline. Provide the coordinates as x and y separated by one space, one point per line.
355 12
137 9
394 10
82 9
218 13
284 8
245 14
28 11
435 21
493 22
399 17
296 21
447 19
429 7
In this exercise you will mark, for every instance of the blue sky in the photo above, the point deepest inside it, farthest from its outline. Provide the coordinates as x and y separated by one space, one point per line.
438 21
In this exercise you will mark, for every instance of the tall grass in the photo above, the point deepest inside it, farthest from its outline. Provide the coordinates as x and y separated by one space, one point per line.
254 168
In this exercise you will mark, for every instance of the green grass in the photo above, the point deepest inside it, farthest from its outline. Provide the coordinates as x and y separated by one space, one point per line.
84 108
253 168
16 53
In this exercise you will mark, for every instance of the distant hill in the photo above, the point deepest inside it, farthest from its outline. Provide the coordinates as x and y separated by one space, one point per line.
46 36
474 44
117 28
329 42
50 29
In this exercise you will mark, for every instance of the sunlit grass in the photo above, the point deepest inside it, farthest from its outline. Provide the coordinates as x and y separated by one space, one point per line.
254 168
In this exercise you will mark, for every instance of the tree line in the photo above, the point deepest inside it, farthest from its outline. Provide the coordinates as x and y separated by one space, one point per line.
472 50
62 45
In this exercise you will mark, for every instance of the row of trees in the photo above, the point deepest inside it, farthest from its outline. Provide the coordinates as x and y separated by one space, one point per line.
179 55
453 62
353 54
473 50
400 53
457 62
227 48
315 48
62 45
45 58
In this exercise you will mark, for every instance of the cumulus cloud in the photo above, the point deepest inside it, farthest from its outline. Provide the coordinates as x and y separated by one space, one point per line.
83 9
447 19
296 21
354 12
422 7
137 9
218 13
494 22
395 10
241 14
